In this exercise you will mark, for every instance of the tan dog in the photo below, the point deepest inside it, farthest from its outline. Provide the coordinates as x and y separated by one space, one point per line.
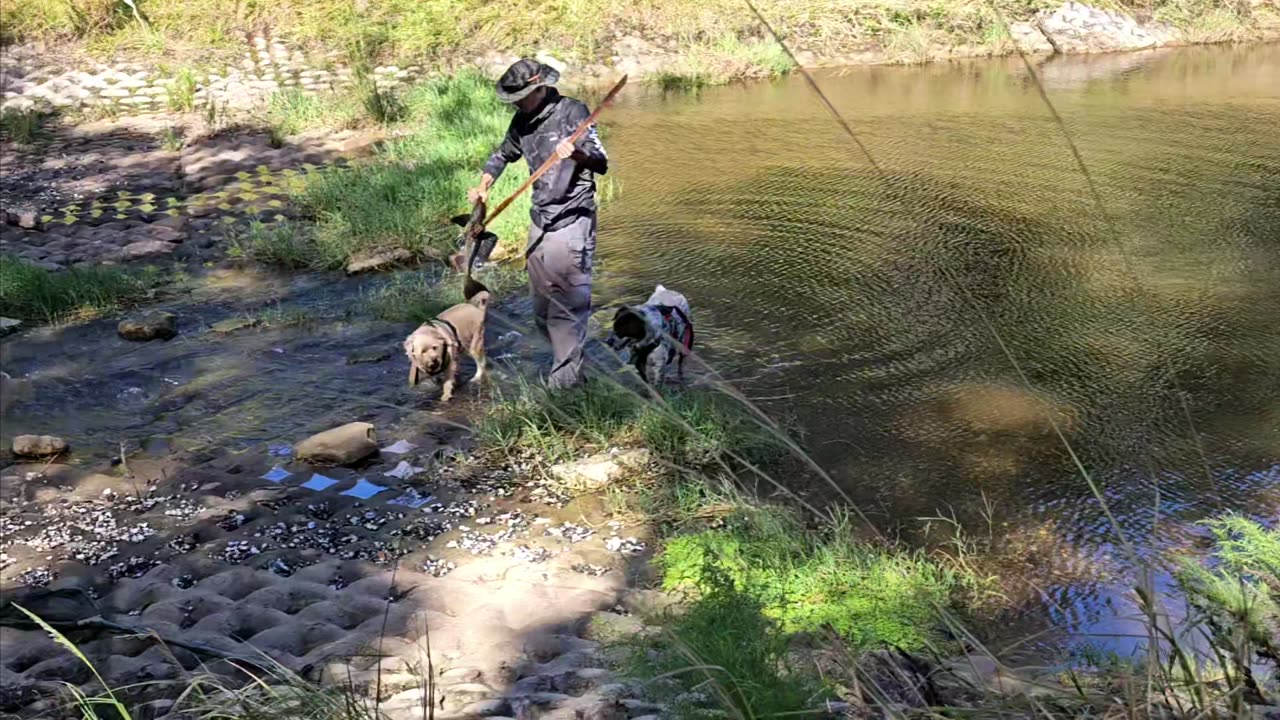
436 347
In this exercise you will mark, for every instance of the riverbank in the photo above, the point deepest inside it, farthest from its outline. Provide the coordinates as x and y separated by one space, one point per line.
775 609
109 59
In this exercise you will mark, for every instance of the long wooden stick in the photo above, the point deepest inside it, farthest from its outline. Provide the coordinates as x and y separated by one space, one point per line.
582 128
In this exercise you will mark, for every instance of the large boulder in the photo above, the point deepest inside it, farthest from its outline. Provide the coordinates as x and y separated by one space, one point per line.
148 326
38 446
340 446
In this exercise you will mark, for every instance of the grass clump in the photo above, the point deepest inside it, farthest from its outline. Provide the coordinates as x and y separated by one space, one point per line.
724 654
416 297
32 293
808 581
728 59
1238 596
692 427
407 195
286 244
21 126
292 111
181 91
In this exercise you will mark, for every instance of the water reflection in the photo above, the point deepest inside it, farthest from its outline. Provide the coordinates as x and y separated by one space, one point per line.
874 304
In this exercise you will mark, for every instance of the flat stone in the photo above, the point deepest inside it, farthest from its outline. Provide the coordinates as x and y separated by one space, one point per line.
364 262
340 446
147 248
44 265
167 234
598 471
487 708
38 445
233 324
9 325
148 326
460 675
364 357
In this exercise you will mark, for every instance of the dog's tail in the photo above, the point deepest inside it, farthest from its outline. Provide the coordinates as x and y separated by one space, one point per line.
475 292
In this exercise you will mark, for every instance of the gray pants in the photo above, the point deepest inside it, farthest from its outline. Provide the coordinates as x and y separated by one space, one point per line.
559 265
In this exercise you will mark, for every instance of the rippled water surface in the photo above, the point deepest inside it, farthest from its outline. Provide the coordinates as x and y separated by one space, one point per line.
872 306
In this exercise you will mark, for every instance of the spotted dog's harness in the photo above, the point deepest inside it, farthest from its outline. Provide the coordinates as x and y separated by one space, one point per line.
673 326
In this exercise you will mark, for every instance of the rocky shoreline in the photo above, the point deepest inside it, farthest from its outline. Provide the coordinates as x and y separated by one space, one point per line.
354 557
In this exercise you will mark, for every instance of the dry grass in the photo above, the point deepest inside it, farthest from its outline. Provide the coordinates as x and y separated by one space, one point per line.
573 29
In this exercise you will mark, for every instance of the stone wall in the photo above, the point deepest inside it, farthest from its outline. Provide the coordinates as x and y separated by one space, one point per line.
28 81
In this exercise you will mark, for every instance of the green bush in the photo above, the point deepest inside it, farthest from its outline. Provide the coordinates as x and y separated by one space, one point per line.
725 654
807 582
1238 595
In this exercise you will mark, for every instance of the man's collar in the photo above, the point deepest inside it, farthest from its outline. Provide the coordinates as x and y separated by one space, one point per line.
548 102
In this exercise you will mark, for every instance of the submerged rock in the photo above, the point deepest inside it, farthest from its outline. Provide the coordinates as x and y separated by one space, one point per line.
366 261
148 326
597 471
38 445
339 446
233 324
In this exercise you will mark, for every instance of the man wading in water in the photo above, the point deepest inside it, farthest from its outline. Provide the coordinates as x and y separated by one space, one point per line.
562 237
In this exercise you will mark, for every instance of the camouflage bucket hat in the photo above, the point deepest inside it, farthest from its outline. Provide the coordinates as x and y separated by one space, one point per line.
523 77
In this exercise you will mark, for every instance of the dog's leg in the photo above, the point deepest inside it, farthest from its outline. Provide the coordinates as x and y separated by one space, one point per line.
477 352
450 376
641 359
413 374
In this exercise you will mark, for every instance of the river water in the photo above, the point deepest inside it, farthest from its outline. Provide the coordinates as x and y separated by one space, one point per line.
928 323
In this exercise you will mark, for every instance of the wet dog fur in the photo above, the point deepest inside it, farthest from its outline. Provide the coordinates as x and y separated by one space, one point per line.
640 328
435 350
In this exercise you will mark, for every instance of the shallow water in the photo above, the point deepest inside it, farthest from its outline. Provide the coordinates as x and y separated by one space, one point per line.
885 310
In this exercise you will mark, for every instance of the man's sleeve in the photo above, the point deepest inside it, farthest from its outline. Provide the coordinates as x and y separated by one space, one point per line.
508 152
597 161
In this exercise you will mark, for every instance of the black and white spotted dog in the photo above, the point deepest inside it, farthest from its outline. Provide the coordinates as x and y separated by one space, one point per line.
661 324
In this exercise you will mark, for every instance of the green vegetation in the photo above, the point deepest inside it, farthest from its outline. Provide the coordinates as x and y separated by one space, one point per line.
727 60
21 126
724 645
172 139
276 693
417 297
1238 598
808 581
575 30
405 197
693 427
33 293
181 92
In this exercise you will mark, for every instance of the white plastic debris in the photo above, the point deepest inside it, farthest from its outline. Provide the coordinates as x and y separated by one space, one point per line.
399 447
403 471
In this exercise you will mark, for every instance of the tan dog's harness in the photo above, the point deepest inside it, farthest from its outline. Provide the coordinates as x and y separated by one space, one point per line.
457 339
